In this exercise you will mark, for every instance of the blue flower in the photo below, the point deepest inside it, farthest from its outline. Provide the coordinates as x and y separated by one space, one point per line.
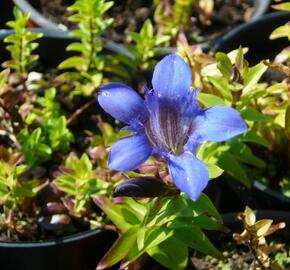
168 124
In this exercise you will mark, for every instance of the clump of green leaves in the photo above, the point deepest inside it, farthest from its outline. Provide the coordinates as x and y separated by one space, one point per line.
79 180
89 17
50 136
173 18
12 190
159 227
230 81
21 44
282 259
146 45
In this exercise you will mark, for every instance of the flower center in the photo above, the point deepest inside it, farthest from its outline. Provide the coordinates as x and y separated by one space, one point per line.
168 129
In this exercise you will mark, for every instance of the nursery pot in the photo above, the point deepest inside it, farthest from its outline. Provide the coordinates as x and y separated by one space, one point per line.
261 7
228 195
255 36
271 198
6 13
81 251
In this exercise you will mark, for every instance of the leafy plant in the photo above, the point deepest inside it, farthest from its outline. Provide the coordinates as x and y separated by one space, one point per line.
12 190
228 80
34 147
79 180
173 18
146 45
159 227
21 44
89 17
50 136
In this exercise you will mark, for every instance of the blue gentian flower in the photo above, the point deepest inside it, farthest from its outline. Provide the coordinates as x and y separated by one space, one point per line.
168 124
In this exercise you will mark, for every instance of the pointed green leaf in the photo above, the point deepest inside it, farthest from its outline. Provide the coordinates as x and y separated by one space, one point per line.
170 254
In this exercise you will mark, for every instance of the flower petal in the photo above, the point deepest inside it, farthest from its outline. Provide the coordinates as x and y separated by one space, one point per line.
218 124
171 77
129 153
122 102
189 174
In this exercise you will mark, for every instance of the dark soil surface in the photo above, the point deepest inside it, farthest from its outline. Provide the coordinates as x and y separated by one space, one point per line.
129 16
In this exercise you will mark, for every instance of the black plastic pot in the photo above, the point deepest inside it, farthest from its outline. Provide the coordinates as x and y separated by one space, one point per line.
228 195
271 198
255 36
82 251
6 13
261 7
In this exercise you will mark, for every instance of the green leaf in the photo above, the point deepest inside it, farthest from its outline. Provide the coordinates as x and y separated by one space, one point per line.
74 62
282 6
214 171
170 211
224 64
66 183
170 254
239 61
222 85
203 205
243 153
141 233
3 79
78 47
253 76
147 29
287 122
201 221
282 31
252 136
119 250
209 100
277 88
121 215
154 236
229 164
251 114
196 239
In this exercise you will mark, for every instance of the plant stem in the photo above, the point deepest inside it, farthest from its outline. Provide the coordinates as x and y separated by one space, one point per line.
80 110
256 257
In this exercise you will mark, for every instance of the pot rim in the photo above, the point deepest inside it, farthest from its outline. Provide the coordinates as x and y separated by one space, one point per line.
56 34
261 7
248 25
53 242
271 192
